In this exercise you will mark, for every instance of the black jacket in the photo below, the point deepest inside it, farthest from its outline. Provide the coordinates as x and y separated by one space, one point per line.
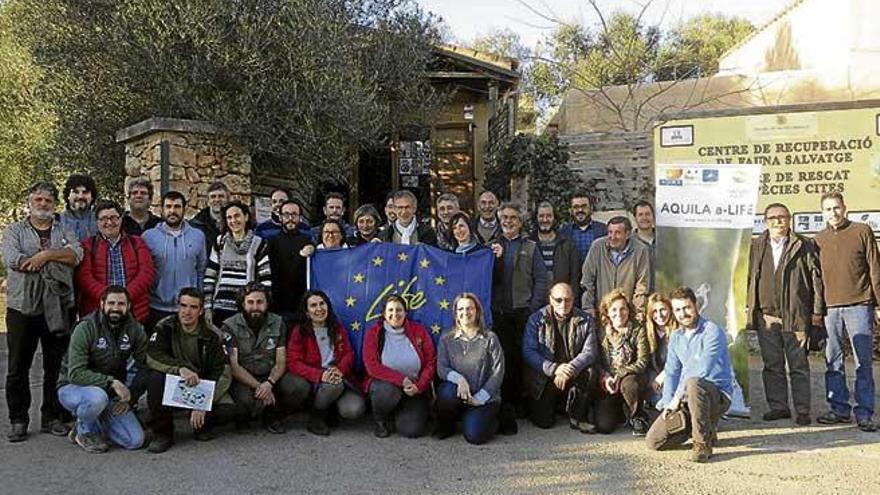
288 270
424 232
204 222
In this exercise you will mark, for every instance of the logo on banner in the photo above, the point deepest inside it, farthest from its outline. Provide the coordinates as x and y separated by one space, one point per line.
710 175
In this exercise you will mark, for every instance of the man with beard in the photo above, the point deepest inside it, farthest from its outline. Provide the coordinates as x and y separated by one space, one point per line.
80 194
256 342
39 254
559 254
617 261
138 219
698 380
560 348
185 345
334 209
407 229
486 226
447 206
93 378
114 258
179 258
209 220
518 289
582 230
287 260
275 225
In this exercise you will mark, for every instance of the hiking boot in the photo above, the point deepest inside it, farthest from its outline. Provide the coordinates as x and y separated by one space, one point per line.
382 429
317 425
866 424
275 426
779 414
830 418
582 426
803 420
205 434
160 443
639 427
17 432
92 443
55 427
701 452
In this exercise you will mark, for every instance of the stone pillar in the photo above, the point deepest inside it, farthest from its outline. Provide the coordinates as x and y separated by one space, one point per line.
199 154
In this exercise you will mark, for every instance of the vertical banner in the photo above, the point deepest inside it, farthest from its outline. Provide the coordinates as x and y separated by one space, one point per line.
705 215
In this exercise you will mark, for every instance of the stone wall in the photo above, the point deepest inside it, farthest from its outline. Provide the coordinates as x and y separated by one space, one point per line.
617 167
199 154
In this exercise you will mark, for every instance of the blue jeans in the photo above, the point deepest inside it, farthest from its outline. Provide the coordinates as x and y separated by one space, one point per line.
478 423
91 406
859 324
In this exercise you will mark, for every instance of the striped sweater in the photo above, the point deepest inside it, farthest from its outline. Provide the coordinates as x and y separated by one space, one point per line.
231 266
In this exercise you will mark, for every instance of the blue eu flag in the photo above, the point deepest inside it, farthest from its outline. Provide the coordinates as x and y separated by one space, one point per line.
358 280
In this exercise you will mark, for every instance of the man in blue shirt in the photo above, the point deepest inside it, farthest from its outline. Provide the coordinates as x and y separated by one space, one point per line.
582 230
698 380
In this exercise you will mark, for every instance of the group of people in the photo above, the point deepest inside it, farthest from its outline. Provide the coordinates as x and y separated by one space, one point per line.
119 298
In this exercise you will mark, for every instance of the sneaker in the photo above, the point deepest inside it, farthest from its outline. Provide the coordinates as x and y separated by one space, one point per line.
582 426
803 420
382 429
17 432
639 427
774 415
72 435
701 452
160 443
830 418
55 427
866 425
318 426
92 443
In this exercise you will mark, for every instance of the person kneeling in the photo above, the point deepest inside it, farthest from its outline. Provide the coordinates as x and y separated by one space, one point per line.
92 385
258 359
184 344
559 348
623 361
470 363
399 358
698 384
320 359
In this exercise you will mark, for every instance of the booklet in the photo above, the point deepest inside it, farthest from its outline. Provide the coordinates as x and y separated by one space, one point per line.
179 394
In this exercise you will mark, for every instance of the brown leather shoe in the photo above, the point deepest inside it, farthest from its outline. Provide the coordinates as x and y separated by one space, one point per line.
701 452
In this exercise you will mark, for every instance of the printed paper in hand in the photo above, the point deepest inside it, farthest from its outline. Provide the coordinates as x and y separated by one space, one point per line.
178 394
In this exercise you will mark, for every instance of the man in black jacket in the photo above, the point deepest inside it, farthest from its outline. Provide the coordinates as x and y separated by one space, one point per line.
208 219
784 301
558 252
407 229
287 259
185 345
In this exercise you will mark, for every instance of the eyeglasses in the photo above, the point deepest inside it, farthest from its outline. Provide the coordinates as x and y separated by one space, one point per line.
109 219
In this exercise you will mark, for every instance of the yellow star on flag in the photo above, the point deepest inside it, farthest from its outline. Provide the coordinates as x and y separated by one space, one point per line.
402 256
444 304
377 261
435 329
439 280
349 301
358 278
355 326
424 263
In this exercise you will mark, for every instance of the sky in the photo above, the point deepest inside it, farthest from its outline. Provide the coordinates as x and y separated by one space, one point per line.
470 18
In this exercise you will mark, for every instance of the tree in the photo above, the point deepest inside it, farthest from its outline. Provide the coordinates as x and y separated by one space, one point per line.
623 64
27 124
303 83
507 43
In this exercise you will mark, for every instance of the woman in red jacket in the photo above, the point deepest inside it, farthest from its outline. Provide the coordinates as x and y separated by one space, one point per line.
320 358
400 362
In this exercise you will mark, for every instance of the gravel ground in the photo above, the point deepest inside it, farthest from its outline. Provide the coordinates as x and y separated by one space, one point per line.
753 457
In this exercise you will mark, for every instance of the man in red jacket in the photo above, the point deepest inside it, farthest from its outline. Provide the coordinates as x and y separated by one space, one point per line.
114 258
